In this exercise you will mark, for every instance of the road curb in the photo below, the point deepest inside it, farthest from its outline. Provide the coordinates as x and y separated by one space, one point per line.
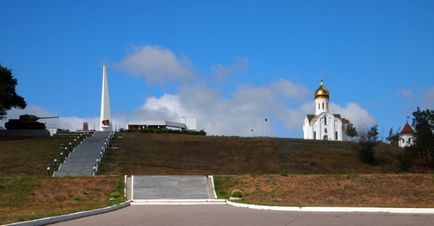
181 202
335 209
71 216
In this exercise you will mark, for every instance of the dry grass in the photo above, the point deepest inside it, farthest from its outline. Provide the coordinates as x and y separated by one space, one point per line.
28 156
183 154
23 198
381 190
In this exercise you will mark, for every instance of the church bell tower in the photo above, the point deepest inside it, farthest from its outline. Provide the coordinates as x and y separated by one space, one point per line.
322 97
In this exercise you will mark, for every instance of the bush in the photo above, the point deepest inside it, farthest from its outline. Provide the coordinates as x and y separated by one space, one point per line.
237 193
366 153
405 160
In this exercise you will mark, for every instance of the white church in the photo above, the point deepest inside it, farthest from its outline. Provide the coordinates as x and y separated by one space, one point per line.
406 137
322 125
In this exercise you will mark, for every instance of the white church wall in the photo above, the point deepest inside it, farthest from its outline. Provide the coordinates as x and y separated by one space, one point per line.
406 140
321 106
325 126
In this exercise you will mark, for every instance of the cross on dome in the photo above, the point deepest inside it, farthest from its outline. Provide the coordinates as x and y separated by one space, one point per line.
322 91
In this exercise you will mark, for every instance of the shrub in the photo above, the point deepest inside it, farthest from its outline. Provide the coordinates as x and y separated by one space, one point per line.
366 153
284 173
405 160
237 193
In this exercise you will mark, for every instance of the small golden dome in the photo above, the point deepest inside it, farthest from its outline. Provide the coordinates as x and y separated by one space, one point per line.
322 91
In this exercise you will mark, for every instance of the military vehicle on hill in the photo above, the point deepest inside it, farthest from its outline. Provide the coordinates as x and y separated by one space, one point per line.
27 122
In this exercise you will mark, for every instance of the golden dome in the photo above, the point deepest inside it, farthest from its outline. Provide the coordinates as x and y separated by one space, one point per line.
322 91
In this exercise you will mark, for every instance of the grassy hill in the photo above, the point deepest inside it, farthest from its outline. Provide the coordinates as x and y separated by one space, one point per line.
27 192
365 190
22 156
184 154
25 198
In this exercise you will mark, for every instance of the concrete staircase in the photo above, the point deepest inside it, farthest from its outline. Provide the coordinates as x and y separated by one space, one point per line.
83 158
154 190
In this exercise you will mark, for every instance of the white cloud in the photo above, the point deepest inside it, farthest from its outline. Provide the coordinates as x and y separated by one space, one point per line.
407 94
245 109
156 65
359 116
222 72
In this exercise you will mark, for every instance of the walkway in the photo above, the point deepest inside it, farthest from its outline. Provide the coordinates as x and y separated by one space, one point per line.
227 215
84 157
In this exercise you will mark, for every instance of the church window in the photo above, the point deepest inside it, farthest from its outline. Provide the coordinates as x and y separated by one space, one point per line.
325 120
319 106
336 135
325 130
322 105
314 135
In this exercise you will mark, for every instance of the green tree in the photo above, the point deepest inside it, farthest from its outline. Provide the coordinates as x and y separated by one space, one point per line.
8 96
393 137
405 160
368 140
349 128
372 135
351 131
423 122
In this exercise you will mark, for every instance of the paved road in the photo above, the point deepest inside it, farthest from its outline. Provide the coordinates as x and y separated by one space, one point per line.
227 215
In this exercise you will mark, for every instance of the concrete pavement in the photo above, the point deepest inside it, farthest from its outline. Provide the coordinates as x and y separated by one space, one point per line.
227 215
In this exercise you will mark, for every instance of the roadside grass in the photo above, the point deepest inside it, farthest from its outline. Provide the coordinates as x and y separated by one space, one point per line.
26 198
351 190
151 154
28 156
222 186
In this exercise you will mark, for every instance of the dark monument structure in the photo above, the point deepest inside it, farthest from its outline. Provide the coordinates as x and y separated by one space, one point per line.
85 126
26 126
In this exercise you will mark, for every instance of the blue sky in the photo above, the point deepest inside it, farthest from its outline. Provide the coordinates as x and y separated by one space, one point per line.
376 54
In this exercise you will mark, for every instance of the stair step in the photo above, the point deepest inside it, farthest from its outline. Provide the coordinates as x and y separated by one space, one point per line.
83 158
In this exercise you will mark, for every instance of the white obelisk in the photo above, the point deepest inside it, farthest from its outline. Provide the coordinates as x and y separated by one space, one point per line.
105 121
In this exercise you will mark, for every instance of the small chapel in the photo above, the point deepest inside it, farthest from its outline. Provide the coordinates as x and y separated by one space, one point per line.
322 125
406 137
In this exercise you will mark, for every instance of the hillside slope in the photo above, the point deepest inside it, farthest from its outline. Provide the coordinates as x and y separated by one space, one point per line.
183 154
28 156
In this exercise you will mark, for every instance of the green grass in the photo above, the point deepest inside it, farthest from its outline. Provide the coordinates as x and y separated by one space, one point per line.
117 195
26 198
28 156
222 185
109 157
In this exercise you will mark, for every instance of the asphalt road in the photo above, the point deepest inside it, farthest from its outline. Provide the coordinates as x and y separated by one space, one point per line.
227 215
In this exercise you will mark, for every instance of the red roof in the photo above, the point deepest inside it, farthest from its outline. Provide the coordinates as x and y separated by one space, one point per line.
407 129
